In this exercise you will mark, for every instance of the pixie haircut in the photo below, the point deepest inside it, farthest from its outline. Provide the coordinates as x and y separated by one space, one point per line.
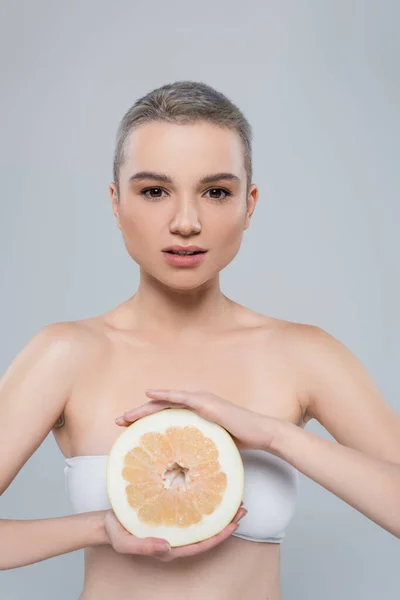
183 102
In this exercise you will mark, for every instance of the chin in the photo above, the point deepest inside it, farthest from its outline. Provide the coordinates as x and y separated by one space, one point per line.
182 282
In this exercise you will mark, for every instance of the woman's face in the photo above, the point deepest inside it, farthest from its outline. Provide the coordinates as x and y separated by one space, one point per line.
154 213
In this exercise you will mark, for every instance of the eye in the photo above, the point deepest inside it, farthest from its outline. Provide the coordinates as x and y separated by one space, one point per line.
154 193
157 195
218 191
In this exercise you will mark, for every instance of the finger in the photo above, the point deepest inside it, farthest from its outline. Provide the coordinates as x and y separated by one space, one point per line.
153 546
181 396
148 408
239 515
199 547
241 506
205 545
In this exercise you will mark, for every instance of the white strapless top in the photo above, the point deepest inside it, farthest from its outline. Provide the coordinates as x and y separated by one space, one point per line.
270 492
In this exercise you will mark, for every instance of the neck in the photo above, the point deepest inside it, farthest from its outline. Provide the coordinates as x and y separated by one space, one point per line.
180 312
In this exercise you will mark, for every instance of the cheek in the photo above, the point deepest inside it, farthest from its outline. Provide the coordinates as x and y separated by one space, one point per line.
130 225
137 231
225 239
228 231
136 220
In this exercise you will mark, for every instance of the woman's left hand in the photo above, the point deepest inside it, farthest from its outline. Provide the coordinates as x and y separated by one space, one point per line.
249 429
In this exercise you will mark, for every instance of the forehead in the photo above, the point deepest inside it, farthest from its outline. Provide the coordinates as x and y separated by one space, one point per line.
191 149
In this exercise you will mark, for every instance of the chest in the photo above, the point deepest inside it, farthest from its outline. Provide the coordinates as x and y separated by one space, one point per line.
246 371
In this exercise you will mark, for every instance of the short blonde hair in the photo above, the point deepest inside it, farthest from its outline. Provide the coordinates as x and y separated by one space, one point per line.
183 102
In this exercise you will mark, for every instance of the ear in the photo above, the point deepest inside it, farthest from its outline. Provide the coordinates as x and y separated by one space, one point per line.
115 202
252 198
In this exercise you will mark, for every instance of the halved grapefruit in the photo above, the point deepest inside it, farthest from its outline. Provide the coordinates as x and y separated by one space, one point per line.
176 476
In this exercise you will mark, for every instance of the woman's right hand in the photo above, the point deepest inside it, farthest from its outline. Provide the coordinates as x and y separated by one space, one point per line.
125 543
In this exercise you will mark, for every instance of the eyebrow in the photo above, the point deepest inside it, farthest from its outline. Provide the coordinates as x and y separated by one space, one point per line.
144 175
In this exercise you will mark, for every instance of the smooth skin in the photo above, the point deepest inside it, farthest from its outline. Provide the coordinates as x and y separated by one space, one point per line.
180 332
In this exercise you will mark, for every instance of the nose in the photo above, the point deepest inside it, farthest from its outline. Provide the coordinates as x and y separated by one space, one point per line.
186 219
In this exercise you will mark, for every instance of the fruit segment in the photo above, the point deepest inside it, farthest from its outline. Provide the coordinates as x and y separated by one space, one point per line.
140 475
186 510
157 446
138 495
190 446
203 470
174 478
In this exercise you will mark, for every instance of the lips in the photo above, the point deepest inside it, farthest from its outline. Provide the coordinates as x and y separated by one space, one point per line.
181 252
184 260
178 248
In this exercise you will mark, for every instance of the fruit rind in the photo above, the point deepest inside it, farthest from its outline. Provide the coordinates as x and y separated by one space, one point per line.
229 459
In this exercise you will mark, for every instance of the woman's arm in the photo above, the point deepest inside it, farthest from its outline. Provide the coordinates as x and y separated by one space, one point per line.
363 469
370 485
33 393
30 541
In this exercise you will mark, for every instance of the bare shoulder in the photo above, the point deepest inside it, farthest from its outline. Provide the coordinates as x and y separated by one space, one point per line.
282 330
79 339
310 354
250 320
293 333
341 394
293 337
67 334
63 332
329 371
312 348
313 343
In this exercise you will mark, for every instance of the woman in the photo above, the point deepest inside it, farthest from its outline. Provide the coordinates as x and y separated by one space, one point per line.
182 178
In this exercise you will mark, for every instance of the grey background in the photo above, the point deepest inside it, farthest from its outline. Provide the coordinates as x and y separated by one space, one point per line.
319 82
